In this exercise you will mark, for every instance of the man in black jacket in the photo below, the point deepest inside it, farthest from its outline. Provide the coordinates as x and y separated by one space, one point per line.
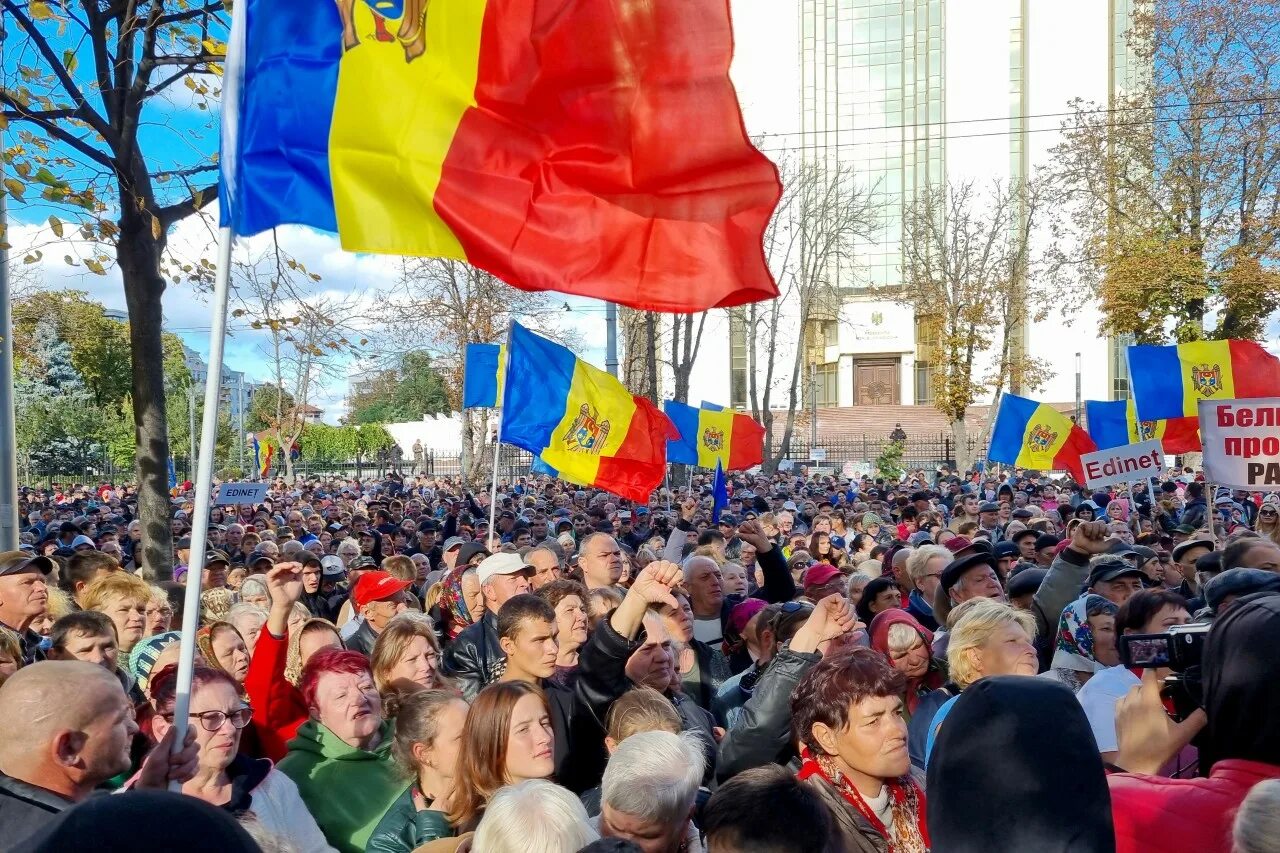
475 658
70 726
379 598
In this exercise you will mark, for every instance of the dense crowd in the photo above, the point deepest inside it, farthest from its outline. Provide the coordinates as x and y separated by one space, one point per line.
949 662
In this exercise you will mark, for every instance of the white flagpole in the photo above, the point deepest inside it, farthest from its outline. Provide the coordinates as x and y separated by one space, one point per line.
233 71
492 542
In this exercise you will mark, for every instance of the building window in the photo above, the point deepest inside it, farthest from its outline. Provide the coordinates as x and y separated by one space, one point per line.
1119 366
827 379
738 361
924 383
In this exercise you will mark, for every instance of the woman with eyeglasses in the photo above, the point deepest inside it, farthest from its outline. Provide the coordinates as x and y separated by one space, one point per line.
236 783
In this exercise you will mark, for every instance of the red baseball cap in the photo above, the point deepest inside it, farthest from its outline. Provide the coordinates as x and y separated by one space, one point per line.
820 573
375 586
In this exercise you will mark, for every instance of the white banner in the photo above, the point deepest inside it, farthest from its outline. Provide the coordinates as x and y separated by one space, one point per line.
241 493
1123 464
1242 443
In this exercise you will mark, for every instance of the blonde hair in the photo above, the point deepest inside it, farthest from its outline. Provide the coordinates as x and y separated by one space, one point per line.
641 709
114 585
918 562
433 595
59 604
393 641
400 567
974 629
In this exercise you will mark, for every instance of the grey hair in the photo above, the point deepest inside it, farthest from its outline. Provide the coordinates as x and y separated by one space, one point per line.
855 578
243 609
534 816
548 549
254 584
654 776
1257 823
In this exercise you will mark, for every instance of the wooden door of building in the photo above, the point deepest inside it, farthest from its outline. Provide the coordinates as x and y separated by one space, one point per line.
876 383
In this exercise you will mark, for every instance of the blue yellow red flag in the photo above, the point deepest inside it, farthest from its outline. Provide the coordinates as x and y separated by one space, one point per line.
580 421
1113 424
484 368
719 494
1037 436
1169 381
593 148
709 436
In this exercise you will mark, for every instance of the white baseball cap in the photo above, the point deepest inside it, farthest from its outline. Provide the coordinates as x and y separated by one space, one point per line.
502 563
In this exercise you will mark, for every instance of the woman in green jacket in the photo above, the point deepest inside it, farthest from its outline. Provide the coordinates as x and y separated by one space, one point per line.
341 757
427 740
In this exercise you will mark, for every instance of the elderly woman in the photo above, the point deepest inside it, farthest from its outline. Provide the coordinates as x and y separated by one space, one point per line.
906 644
223 648
1086 641
341 757
225 778
254 591
987 637
248 619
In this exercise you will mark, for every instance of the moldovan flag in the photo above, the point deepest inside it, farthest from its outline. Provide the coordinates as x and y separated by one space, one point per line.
580 421
593 148
1034 435
483 372
262 456
714 435
1169 381
1114 424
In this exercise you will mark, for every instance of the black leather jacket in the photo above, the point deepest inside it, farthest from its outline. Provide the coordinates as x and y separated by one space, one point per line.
362 640
763 734
474 658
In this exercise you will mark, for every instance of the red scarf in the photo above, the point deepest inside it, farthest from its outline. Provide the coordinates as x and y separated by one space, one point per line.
905 797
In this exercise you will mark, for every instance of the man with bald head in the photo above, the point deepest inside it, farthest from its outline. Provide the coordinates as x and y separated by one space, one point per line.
600 560
68 728
711 607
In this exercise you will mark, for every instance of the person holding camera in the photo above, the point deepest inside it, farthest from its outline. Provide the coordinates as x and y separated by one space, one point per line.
1238 739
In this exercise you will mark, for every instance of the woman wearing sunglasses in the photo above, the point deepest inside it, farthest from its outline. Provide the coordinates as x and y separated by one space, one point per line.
251 789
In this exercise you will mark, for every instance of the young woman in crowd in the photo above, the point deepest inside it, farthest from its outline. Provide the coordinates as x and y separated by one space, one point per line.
428 738
507 738
406 656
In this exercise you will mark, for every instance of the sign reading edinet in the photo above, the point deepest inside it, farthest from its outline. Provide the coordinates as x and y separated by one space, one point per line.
1125 464
241 493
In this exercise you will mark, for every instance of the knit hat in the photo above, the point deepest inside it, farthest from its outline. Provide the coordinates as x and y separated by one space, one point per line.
147 652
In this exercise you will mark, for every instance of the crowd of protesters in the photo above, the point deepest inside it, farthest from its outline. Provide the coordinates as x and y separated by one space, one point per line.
946 662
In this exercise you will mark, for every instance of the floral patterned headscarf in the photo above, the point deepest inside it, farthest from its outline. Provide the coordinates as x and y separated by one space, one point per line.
453 604
1074 649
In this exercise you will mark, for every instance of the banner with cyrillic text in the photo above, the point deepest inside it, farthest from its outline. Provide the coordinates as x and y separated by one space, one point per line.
1124 464
1242 443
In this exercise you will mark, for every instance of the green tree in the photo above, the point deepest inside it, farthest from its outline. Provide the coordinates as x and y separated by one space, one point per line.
889 464
406 393
89 87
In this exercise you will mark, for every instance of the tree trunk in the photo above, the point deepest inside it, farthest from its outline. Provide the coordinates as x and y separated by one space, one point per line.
138 257
467 462
960 435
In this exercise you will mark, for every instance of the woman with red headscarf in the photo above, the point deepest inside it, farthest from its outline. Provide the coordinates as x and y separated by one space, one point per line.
907 645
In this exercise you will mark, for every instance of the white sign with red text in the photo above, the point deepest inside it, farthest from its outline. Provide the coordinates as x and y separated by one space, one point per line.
1242 443
1124 464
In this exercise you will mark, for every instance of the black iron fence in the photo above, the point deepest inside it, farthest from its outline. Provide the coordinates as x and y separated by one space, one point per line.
919 451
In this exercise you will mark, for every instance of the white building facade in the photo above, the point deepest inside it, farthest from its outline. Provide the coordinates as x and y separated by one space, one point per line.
915 93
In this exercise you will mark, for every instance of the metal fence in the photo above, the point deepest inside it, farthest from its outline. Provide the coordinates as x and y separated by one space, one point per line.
919 451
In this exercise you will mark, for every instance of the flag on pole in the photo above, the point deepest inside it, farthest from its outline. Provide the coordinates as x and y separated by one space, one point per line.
1169 381
1037 436
592 148
1113 424
719 494
580 421
173 475
262 456
708 437
484 369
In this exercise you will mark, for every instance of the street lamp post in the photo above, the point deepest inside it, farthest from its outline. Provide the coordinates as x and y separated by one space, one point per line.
1077 387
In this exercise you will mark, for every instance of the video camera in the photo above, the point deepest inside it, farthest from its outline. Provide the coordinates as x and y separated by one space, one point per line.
1179 650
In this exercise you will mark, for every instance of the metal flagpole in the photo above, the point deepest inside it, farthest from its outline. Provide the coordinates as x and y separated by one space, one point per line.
233 68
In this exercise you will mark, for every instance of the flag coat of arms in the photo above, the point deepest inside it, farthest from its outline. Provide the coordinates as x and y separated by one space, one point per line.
1114 424
710 434
594 148
582 423
1037 436
1170 381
